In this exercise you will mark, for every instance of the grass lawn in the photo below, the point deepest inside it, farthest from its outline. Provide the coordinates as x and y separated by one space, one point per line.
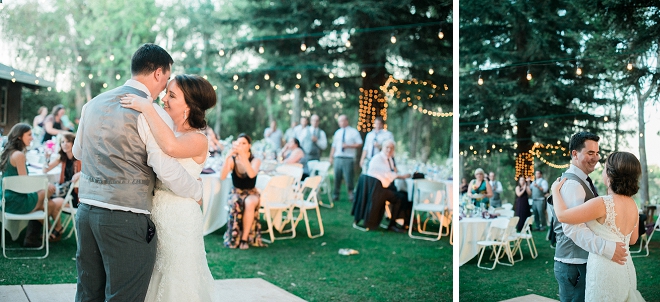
536 276
390 266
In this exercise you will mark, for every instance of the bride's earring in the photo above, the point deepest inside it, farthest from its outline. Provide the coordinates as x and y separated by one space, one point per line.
185 114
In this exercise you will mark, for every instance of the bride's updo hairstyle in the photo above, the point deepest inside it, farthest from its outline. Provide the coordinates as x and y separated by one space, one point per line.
199 96
623 169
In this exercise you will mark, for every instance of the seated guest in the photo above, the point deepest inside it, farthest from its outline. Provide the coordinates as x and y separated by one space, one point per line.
13 163
70 169
243 227
383 168
292 153
53 124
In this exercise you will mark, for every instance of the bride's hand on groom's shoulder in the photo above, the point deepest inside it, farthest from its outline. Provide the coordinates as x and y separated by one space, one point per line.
132 101
556 186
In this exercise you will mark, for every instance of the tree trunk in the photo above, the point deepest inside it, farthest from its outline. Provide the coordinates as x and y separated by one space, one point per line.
644 181
218 113
296 106
269 104
412 134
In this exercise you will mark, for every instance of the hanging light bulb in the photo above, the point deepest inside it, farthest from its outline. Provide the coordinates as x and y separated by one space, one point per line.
331 75
79 58
183 54
606 118
348 43
256 87
393 39
266 77
235 87
529 75
480 81
235 77
261 49
578 71
112 57
431 71
117 77
363 74
90 76
205 77
441 35
11 73
298 76
105 85
47 58
630 66
303 46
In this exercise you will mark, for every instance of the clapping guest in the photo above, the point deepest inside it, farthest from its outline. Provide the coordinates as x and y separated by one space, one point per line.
13 163
292 153
383 168
522 209
479 189
243 228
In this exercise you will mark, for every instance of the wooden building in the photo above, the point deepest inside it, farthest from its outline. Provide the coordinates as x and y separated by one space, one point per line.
12 82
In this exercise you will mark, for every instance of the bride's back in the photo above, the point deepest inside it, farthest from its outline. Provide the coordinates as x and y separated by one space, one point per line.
627 214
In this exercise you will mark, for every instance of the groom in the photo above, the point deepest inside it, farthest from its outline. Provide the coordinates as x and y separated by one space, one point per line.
117 239
575 242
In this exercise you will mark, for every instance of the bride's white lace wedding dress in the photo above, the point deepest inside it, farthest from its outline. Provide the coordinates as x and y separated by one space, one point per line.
607 280
181 272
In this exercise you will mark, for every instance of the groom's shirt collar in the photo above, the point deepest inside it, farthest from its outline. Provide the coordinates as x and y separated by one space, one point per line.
577 171
138 85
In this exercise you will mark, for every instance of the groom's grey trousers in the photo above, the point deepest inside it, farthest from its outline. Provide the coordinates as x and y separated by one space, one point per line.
116 234
571 279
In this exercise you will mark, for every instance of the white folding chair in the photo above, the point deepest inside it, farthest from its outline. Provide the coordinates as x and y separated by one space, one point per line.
498 240
262 181
645 239
309 203
275 198
505 213
322 168
525 233
507 206
428 197
67 208
25 184
293 170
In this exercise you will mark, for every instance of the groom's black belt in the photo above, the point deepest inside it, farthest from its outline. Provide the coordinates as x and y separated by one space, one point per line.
112 181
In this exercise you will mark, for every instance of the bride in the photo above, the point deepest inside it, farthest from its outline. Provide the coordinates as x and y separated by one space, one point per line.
181 272
613 217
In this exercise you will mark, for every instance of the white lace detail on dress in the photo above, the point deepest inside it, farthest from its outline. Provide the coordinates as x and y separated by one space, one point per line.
610 217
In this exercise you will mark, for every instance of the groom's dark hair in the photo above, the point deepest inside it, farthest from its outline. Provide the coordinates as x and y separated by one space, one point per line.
150 57
578 139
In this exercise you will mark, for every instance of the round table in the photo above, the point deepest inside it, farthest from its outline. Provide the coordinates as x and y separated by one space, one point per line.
214 201
471 230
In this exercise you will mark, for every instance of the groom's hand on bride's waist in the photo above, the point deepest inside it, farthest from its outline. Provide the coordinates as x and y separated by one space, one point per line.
620 253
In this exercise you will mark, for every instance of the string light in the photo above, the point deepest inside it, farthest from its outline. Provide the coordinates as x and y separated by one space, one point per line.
348 44
529 75
441 35
261 49
331 75
235 77
90 76
47 58
480 81
578 70
221 52
303 47
112 57
363 74
79 58
266 77
629 66
393 39
117 77
392 90
298 76
105 85
431 71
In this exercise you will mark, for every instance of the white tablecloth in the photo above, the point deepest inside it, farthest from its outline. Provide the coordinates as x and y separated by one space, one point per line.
214 201
471 231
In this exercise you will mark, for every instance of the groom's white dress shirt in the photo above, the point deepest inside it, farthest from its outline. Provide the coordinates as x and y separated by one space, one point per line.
167 169
573 194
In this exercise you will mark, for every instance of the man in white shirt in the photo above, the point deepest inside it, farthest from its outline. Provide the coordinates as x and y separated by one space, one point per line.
373 142
291 132
274 136
116 237
297 130
345 144
539 187
575 242
383 167
313 140
496 185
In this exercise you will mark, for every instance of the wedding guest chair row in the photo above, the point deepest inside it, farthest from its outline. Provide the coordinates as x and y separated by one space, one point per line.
499 239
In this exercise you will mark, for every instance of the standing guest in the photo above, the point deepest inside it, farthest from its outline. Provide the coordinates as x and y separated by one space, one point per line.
373 142
522 204
53 123
243 228
383 167
70 169
304 122
12 163
479 189
274 136
292 153
496 186
291 132
539 187
38 123
345 144
313 139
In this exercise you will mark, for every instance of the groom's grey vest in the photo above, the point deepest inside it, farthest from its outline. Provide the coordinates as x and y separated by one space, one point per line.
312 151
566 248
114 158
